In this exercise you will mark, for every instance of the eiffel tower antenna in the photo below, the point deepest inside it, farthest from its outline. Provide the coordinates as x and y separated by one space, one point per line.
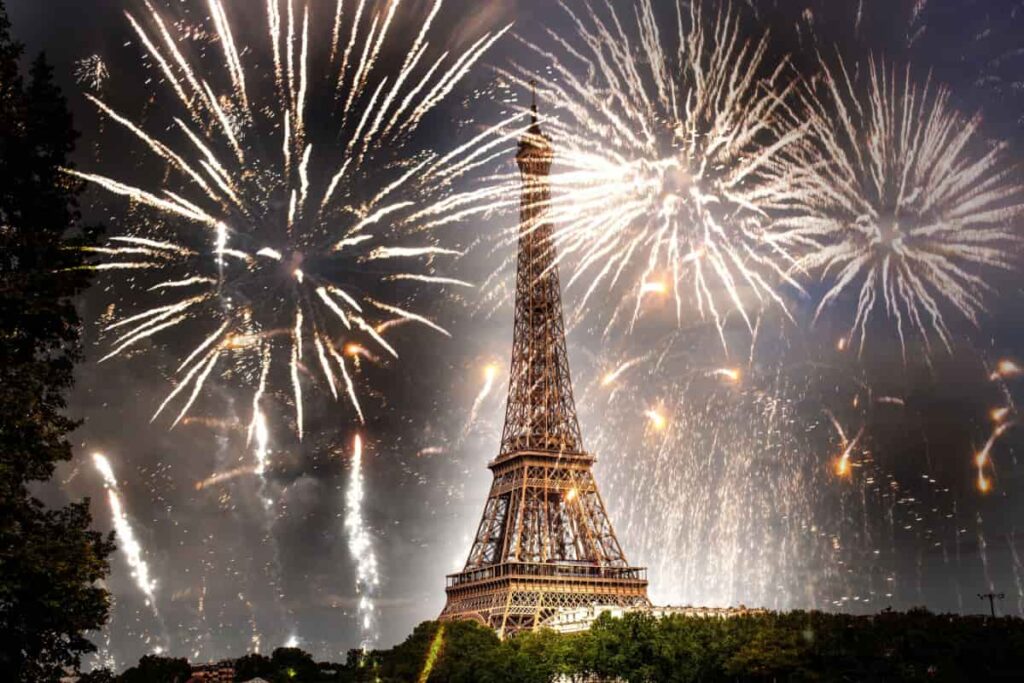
545 542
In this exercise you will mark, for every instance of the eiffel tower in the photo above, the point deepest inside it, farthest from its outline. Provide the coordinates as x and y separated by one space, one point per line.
545 542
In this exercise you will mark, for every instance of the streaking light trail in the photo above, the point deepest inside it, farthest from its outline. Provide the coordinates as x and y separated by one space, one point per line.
360 547
127 542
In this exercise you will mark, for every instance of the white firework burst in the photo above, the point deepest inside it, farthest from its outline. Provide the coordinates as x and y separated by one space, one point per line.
283 209
900 201
91 72
668 158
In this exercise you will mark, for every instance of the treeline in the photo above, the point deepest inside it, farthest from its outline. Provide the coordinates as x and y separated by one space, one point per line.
794 646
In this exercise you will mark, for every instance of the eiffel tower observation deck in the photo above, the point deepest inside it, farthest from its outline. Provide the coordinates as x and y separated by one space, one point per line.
545 543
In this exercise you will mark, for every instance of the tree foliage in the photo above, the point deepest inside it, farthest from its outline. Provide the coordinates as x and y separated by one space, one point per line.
50 561
912 646
792 646
156 669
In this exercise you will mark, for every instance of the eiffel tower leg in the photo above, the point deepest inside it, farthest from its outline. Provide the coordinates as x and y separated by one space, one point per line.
504 616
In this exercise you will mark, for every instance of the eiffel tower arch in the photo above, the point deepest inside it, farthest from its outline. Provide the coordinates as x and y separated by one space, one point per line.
545 542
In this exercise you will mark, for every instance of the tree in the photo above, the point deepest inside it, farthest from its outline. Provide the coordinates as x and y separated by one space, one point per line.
470 653
773 653
463 652
98 676
50 561
156 669
253 665
293 664
535 657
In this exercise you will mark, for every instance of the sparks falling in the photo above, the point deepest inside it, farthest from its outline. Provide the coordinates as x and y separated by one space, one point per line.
360 547
289 166
901 204
1004 418
127 541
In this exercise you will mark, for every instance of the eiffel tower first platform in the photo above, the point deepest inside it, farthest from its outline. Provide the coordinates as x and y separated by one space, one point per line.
545 543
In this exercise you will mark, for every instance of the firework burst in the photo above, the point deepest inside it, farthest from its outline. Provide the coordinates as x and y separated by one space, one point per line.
898 202
91 72
289 178
668 159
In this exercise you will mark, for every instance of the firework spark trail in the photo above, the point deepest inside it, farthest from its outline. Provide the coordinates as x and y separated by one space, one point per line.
1004 418
490 374
127 541
436 646
360 547
742 500
896 204
260 212
722 523
848 445
613 376
221 477
668 159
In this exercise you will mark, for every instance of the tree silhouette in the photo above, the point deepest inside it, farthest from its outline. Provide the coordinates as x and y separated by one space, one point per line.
50 561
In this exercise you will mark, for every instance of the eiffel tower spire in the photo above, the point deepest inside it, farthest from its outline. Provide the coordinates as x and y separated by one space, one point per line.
540 413
545 542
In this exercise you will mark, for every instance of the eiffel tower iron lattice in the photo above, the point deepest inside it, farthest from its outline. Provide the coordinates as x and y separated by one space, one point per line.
545 542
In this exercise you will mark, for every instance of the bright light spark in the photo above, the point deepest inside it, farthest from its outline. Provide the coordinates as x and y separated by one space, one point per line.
999 414
360 547
656 287
262 435
657 419
272 193
843 464
729 374
1006 369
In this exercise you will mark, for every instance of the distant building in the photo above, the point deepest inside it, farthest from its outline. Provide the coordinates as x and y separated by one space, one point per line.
221 672
582 618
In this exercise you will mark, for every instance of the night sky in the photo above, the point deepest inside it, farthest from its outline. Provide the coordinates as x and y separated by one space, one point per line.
733 503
